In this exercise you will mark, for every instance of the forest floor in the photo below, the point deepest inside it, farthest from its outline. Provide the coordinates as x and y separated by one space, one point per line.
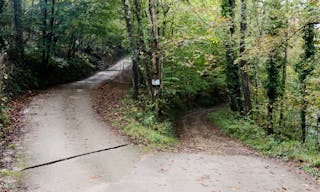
62 123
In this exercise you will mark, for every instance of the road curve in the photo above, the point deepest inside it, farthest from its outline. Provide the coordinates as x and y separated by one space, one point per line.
60 124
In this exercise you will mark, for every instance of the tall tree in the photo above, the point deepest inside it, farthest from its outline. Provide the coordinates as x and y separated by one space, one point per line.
306 66
143 55
17 7
133 45
44 12
243 63
156 74
232 69
274 61
284 70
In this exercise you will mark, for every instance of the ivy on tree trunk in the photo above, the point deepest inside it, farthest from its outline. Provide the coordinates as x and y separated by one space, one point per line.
232 68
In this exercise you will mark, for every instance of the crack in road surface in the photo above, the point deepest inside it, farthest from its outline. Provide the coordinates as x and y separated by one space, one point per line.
62 122
73 157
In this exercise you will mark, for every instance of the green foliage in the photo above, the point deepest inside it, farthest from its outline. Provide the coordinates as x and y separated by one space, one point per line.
253 135
228 7
232 68
34 75
74 37
144 127
273 82
307 63
3 114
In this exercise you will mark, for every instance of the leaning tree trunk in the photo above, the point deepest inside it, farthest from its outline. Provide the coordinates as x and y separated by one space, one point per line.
18 31
133 45
243 63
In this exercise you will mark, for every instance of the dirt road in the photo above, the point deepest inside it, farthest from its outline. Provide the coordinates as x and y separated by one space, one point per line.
61 123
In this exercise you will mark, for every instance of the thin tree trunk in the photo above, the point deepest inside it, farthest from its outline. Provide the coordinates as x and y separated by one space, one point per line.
133 45
303 113
165 11
51 34
154 46
270 119
243 63
2 43
256 86
44 31
18 31
284 75
31 20
283 87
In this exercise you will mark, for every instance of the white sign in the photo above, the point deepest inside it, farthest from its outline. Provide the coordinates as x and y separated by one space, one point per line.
156 82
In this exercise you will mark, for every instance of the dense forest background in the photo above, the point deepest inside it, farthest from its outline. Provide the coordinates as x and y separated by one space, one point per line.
260 56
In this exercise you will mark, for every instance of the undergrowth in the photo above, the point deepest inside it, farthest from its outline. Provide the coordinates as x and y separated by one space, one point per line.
251 134
143 126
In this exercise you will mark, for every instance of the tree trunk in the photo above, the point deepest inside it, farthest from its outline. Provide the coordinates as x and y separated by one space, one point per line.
17 7
31 20
51 34
283 87
2 43
243 63
154 46
232 69
303 113
44 31
284 75
306 66
270 119
143 56
133 45
165 11
256 87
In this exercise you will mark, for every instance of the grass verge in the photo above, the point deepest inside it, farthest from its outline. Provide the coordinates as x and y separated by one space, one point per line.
144 128
306 155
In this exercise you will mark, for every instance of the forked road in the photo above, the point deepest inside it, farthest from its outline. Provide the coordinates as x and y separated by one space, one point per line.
61 123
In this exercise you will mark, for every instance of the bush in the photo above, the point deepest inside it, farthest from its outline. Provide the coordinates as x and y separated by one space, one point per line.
33 75
144 127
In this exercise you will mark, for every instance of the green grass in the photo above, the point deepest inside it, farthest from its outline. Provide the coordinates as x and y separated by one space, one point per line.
143 127
254 136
